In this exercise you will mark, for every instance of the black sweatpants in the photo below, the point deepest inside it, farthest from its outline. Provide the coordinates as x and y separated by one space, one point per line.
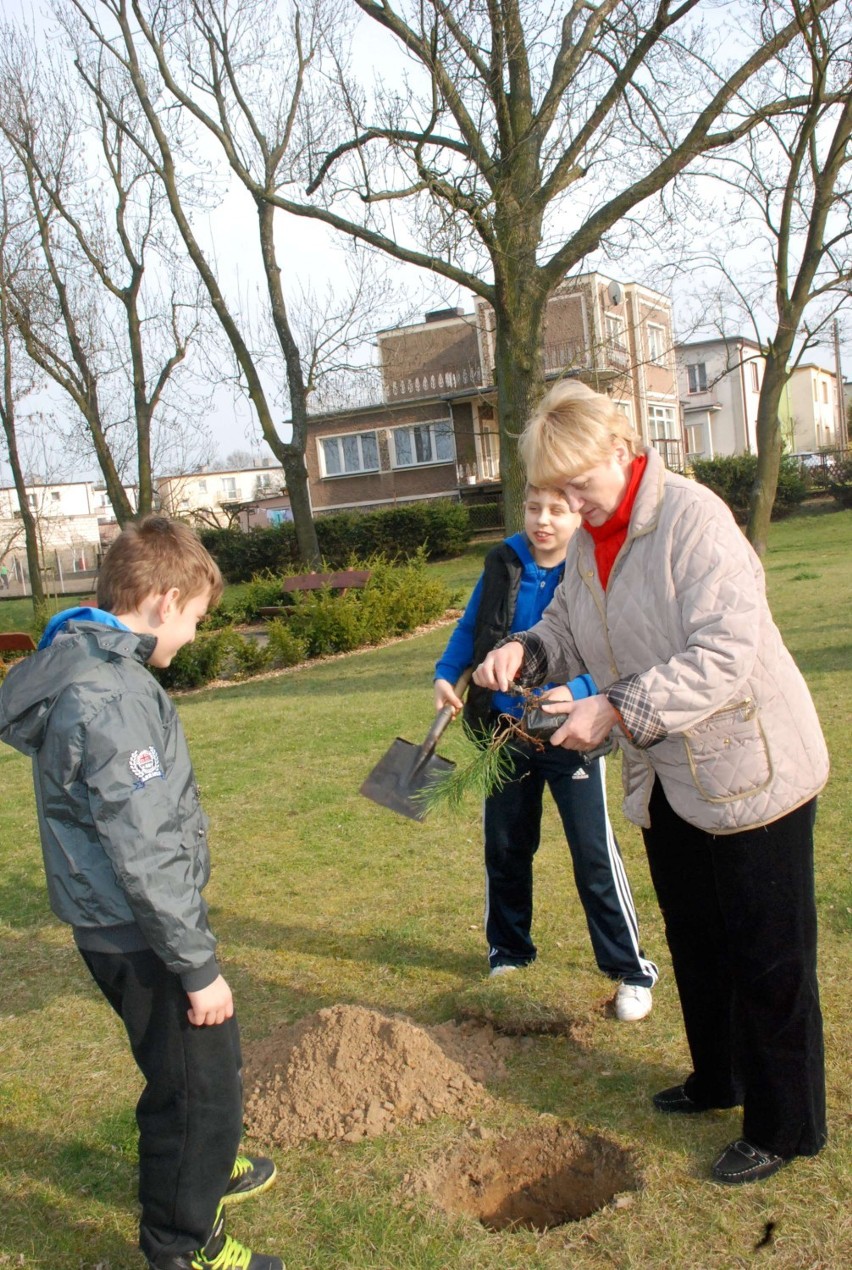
740 918
190 1112
512 824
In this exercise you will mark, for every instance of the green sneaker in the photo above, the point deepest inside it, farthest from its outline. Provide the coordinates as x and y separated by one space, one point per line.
251 1175
221 1252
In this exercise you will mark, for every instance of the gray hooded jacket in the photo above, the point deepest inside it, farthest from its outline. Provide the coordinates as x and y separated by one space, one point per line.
123 834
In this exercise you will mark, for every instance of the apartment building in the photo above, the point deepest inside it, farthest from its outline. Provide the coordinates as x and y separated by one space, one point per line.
74 521
810 410
719 381
214 496
436 431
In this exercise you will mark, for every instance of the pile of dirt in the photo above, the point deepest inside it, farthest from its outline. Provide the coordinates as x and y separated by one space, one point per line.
348 1073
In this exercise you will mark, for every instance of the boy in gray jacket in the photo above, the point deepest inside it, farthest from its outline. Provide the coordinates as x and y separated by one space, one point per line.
124 841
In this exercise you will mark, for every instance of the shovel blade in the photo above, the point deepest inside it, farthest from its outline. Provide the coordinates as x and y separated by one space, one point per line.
394 782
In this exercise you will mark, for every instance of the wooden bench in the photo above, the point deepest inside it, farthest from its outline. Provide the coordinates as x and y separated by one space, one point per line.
342 582
16 642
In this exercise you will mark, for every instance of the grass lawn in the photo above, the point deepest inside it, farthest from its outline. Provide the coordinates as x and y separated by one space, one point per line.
320 897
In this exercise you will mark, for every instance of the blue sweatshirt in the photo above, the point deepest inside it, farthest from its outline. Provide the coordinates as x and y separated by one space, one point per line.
534 594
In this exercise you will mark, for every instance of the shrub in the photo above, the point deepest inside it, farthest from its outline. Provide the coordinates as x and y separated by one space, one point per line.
732 478
285 646
441 528
196 663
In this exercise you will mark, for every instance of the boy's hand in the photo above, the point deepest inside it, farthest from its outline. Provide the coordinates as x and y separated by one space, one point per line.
211 1005
500 667
446 695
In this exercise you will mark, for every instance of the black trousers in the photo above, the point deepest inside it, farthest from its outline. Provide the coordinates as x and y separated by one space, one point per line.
512 825
190 1112
740 918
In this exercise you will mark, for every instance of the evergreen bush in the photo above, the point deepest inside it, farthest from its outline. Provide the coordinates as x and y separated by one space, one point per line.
732 477
441 528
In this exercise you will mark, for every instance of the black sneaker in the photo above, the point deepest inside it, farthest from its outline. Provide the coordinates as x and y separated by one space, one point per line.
221 1252
741 1162
251 1175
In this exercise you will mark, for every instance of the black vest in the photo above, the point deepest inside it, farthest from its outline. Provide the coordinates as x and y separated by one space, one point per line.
501 581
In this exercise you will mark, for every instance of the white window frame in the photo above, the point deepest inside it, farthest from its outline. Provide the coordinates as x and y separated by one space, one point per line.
614 330
339 438
755 377
658 414
694 433
444 424
656 343
697 381
229 487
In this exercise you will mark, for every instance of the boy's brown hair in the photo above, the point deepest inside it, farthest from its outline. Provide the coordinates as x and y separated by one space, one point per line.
149 558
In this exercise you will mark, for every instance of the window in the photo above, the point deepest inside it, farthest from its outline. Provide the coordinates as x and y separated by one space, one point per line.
229 486
345 455
697 377
825 392
423 443
755 377
695 438
614 326
661 423
55 495
202 487
656 344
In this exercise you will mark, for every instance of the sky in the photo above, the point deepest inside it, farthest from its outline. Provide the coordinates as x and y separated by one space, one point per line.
311 252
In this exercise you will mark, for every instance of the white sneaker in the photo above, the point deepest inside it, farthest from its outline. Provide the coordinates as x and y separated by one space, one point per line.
502 970
632 1002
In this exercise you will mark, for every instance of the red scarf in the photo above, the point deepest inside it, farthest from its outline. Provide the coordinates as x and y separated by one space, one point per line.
609 537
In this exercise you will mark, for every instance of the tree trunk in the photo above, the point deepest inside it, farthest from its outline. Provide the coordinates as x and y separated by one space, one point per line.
30 527
519 375
769 446
291 454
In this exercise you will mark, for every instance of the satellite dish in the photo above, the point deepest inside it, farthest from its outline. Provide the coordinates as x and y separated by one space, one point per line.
615 293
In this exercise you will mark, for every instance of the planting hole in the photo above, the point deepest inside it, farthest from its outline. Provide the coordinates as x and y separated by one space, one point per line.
534 1180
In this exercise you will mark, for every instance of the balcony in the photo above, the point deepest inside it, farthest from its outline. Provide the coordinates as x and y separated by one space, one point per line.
565 355
432 382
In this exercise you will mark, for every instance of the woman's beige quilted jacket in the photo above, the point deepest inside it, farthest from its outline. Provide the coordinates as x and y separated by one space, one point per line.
728 726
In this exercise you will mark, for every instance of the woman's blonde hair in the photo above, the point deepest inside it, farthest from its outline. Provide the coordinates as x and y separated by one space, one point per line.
572 430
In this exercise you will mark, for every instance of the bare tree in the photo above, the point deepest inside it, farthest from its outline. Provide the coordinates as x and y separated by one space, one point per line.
103 311
17 378
239 72
526 135
787 254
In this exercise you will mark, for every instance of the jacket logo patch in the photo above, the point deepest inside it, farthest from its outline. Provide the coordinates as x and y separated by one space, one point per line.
145 766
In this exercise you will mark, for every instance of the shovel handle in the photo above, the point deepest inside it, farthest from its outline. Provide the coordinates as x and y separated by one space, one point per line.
441 722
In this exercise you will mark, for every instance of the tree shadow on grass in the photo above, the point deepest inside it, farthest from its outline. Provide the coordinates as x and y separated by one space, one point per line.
23 900
341 945
84 1174
834 657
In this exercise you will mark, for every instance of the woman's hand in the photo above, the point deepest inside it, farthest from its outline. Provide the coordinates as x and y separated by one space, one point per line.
446 695
590 721
500 668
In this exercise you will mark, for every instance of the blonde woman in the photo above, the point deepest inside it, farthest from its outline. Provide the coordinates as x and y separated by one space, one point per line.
663 604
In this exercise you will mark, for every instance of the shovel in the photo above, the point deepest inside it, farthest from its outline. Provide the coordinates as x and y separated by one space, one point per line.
406 770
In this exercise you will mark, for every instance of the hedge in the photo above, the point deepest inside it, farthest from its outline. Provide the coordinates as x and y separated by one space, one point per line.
441 528
732 478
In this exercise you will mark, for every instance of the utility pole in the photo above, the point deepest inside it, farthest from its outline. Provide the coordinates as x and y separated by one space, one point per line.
842 437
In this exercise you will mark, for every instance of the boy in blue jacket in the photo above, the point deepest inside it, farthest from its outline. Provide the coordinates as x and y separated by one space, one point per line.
124 840
516 586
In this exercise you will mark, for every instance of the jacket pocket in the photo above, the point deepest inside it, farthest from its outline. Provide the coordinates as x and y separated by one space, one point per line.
728 754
